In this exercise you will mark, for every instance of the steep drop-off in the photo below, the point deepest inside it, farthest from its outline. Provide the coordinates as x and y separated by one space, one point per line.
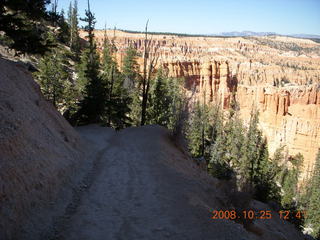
278 75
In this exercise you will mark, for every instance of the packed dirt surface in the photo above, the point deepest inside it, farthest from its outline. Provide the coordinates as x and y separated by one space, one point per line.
141 186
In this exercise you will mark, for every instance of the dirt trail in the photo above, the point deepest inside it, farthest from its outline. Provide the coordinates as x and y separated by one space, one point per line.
141 187
134 192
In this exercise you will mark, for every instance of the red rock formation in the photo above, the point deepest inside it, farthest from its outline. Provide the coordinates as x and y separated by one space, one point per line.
279 75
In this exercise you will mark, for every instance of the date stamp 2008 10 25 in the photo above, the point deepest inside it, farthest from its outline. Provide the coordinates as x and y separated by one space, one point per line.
261 214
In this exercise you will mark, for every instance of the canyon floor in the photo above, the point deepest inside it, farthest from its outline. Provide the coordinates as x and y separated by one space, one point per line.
142 186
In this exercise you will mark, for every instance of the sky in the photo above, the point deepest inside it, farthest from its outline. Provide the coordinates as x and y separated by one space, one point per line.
205 16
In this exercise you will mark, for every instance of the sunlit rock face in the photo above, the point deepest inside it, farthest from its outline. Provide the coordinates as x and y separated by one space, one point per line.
278 75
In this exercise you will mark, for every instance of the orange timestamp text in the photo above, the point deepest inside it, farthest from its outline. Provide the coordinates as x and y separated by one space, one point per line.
260 214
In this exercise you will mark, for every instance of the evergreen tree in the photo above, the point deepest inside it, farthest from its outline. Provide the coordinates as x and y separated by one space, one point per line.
117 98
254 168
287 173
54 80
64 30
21 20
130 67
119 102
130 71
74 39
289 187
265 174
51 77
249 161
313 210
93 103
177 105
159 110
53 14
227 140
198 128
233 140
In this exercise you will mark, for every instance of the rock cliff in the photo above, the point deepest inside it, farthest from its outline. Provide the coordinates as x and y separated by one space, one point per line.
278 75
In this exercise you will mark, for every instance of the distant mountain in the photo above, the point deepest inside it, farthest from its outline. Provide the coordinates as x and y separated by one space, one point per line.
250 33
245 34
305 35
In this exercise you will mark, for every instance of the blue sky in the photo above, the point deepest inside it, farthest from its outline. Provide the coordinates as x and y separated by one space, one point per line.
206 16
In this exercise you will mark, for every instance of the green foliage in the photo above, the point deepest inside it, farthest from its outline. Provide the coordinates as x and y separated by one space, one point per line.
91 84
198 131
73 22
227 137
255 166
313 209
232 149
159 110
33 9
55 81
130 72
130 68
89 28
287 174
22 24
165 101
289 188
53 15
117 100
177 104
64 30
135 107
249 161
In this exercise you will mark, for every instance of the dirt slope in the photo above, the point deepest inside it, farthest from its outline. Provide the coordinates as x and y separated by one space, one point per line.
144 187
39 154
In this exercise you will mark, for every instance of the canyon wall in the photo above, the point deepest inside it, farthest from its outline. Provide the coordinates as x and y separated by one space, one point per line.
278 75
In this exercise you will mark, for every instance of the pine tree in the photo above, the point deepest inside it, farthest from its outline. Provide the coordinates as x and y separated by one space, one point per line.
21 24
53 14
265 185
117 97
227 140
178 105
54 80
234 137
313 210
64 30
197 132
51 76
93 103
74 39
159 110
108 68
255 169
130 71
130 67
286 172
289 187
249 152
119 102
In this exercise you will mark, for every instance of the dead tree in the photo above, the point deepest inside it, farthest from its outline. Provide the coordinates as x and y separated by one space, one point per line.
149 64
